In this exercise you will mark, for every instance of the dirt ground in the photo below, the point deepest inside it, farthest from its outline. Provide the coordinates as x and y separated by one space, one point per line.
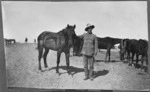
22 71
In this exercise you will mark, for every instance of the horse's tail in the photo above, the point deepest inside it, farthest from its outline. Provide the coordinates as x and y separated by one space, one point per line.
39 44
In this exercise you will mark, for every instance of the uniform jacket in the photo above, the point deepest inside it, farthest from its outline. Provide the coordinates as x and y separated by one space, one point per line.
90 44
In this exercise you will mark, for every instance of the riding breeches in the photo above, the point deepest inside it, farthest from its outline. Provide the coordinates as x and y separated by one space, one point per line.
88 65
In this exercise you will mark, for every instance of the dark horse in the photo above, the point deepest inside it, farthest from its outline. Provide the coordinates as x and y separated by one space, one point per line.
60 42
136 47
139 47
9 41
107 43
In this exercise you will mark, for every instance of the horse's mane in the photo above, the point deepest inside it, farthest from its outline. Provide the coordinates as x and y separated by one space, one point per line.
62 31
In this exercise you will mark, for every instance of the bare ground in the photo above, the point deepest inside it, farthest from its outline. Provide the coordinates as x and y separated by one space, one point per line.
22 71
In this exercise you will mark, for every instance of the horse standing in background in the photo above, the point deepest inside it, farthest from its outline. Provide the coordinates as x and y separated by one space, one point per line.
107 43
61 41
9 41
135 47
103 43
139 47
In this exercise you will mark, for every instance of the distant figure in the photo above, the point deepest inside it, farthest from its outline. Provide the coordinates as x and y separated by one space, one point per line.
26 40
34 40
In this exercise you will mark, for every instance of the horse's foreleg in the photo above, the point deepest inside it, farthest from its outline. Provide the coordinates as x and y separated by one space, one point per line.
58 61
129 57
109 54
137 60
44 57
67 61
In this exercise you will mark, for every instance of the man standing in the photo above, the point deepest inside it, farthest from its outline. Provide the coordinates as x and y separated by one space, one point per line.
26 40
89 50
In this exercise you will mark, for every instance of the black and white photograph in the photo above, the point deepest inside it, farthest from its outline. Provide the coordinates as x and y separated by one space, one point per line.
76 45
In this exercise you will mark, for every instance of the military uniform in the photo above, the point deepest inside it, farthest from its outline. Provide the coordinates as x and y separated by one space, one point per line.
90 47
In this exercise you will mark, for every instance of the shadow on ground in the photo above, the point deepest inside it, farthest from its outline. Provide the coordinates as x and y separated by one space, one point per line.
100 73
75 70
109 61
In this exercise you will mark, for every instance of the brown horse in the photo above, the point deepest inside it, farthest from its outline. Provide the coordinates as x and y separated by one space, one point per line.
136 47
61 41
107 43
103 43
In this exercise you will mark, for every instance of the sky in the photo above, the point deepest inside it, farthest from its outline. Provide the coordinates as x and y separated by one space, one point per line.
119 19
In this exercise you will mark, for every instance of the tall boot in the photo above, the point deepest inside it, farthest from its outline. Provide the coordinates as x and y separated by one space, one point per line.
91 73
86 73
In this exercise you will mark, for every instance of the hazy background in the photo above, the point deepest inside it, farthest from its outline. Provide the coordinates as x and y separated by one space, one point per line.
121 19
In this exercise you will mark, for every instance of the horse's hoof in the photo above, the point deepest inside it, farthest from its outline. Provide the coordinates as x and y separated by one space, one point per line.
58 72
40 70
69 73
46 68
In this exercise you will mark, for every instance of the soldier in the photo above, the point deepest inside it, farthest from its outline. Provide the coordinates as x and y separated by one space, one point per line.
34 40
89 50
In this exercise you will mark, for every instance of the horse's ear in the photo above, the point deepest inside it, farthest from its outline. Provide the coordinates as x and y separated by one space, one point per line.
67 25
74 26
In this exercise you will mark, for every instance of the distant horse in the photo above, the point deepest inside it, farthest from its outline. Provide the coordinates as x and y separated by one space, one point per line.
136 47
9 41
107 43
139 47
61 41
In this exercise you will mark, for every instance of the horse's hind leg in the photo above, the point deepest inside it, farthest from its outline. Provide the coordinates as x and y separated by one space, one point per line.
40 56
131 60
142 60
44 57
106 55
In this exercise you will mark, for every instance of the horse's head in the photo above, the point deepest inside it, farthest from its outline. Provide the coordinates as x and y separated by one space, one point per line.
70 31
